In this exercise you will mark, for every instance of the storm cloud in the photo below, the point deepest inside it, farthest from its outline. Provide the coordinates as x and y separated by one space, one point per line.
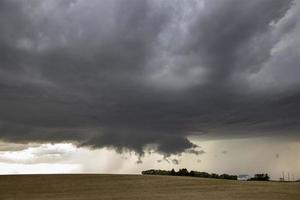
132 74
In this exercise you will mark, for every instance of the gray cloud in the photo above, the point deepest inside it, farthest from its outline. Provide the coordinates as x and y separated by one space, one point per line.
175 161
14 147
196 152
36 154
224 152
127 74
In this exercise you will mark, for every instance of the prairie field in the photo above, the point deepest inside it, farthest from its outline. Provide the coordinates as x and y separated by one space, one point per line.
92 186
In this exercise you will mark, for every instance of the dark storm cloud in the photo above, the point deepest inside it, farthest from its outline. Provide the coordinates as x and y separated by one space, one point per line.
128 74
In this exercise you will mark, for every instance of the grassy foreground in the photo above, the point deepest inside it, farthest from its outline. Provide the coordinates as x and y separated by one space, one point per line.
86 187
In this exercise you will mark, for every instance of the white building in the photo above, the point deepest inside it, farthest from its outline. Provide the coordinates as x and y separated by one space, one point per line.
243 177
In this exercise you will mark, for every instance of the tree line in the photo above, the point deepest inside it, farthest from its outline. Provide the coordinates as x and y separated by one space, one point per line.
185 172
260 177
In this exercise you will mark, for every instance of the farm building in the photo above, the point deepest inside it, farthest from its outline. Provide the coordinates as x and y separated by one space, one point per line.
243 177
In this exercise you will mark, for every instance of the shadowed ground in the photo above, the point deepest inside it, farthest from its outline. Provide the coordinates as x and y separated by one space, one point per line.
85 187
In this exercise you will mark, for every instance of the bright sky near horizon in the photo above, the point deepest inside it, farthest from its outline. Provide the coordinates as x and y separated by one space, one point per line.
219 156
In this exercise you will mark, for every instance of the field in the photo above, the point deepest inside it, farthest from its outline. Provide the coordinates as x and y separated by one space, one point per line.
89 186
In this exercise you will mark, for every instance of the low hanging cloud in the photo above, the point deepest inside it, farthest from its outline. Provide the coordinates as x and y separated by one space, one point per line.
175 162
196 152
224 152
45 153
129 74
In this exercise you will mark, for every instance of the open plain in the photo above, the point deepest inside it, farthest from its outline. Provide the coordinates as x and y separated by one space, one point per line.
131 187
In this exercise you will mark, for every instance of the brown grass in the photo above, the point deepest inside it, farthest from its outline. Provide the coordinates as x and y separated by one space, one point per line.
86 187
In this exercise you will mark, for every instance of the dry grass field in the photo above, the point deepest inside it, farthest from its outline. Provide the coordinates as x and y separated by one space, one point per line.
86 187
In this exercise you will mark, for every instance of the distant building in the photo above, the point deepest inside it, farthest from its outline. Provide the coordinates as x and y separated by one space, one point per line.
243 177
281 179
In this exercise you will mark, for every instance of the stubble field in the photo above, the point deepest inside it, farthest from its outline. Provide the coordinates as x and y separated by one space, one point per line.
92 187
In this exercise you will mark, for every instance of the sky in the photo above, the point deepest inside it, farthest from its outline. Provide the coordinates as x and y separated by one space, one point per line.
121 86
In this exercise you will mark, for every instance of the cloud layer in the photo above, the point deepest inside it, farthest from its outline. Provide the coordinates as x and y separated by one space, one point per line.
131 74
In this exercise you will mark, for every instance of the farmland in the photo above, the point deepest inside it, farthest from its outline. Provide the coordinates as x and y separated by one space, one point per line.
92 186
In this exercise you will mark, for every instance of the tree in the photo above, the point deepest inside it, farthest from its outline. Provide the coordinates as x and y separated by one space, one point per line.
192 173
172 173
183 172
261 177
